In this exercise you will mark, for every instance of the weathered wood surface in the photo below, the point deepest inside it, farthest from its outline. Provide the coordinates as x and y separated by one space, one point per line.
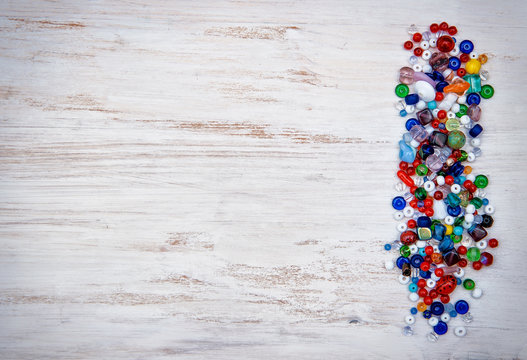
212 179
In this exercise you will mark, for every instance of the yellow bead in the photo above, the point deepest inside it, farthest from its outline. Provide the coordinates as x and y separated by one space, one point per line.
449 229
421 306
482 58
468 170
473 66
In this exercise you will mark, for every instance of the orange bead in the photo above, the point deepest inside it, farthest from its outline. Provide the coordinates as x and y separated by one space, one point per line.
421 306
437 258
468 170
483 58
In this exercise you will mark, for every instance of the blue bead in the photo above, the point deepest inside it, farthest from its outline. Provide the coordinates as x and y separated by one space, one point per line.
438 76
416 260
415 279
437 308
454 63
453 211
432 105
466 46
441 328
427 314
420 203
446 245
462 307
476 130
403 113
422 252
458 230
410 123
461 179
441 85
398 203
412 287
425 274
406 152
387 247
430 75
413 311
411 99
453 313
485 201
400 261
442 126
459 281
424 221
473 98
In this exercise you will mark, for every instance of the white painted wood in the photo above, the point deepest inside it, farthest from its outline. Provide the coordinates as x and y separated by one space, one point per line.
213 179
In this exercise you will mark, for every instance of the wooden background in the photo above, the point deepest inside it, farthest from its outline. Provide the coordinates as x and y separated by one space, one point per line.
212 179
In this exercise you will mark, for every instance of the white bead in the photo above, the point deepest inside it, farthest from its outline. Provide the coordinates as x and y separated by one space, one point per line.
433 321
445 317
434 277
460 331
470 209
409 109
435 112
489 209
427 68
440 180
455 108
429 186
459 273
426 55
455 188
389 265
436 248
413 249
424 45
475 142
482 244
462 99
430 283
464 120
404 279
466 225
409 319
471 157
398 215
449 220
451 114
413 297
471 177
474 55
402 227
417 67
408 211
420 105
469 218
421 244
455 51
476 293
425 90
467 242
432 42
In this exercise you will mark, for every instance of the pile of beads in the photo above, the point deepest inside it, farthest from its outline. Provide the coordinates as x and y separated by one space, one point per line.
442 212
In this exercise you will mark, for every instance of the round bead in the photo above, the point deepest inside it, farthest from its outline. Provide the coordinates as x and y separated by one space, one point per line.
476 293
402 90
398 203
466 46
486 91
441 328
460 331
409 319
462 307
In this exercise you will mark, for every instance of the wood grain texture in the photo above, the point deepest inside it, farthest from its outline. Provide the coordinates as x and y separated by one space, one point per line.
212 179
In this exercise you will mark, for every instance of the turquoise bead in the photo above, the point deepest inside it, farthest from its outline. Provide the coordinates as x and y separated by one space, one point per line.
406 152
458 230
432 105
453 199
412 287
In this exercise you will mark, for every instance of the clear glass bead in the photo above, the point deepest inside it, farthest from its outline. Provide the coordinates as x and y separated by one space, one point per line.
432 337
427 35
412 29
413 60
476 151
467 318
408 331
484 75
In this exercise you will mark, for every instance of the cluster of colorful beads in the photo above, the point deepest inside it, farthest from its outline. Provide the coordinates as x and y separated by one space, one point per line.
442 212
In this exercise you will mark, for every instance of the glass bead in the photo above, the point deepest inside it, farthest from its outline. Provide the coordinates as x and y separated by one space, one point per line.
473 254
402 90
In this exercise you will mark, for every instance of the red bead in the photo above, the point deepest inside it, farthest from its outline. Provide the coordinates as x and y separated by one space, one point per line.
433 293
416 163
439 272
438 195
462 263
486 258
408 237
449 179
456 154
408 45
493 243
445 43
461 250
461 72
445 299
439 96
428 300
403 165
429 203
417 37
429 250
418 51
443 26
412 224
410 171
429 212
446 285
477 265
435 124
469 185
434 28
422 293
413 189
441 114
421 283
464 58
413 203
428 259
452 30
425 266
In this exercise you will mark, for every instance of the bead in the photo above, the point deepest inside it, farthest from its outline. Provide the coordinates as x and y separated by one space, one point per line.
441 328
409 319
402 90
461 307
486 92
460 331
476 293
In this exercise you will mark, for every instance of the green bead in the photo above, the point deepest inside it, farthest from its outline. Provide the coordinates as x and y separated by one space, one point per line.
424 233
487 91
473 254
464 196
405 251
456 238
481 181
452 124
469 284
420 193
401 90
462 110
464 156
421 170
459 221
456 139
